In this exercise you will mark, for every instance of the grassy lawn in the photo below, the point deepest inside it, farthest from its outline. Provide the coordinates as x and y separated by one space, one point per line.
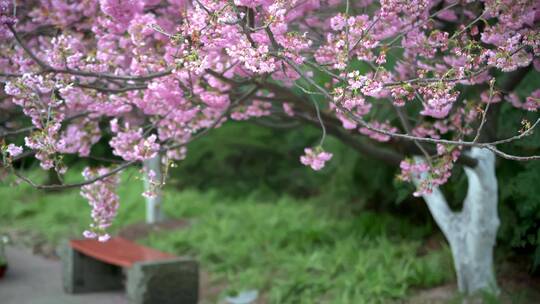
293 251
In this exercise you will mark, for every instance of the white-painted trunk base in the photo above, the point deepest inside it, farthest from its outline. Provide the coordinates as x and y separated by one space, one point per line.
471 232
154 212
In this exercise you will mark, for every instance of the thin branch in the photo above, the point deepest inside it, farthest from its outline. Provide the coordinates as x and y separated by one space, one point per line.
484 113
75 185
364 33
511 157
270 124
13 75
17 132
369 149
33 128
468 26
408 129
214 124
422 23
126 164
105 89
44 66
318 112
517 137
435 79
365 124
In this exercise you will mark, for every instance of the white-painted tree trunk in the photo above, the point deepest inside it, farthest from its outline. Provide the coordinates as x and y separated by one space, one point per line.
154 213
471 232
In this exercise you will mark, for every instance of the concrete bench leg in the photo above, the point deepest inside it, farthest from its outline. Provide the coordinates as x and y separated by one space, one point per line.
83 274
174 281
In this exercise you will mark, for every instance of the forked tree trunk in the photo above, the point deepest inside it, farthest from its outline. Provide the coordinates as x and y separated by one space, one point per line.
471 232
154 211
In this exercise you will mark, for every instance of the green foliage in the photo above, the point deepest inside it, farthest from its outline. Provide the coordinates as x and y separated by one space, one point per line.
510 119
268 160
261 158
520 210
519 191
303 251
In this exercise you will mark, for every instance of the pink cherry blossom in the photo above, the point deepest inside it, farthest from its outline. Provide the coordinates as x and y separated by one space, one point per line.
532 103
104 201
315 158
14 150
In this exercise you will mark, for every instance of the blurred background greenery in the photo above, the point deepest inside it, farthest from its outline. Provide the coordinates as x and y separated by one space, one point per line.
351 233
295 250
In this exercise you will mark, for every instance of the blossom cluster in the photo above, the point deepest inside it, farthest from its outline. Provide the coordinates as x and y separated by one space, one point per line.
131 145
430 173
6 17
103 200
315 158
11 150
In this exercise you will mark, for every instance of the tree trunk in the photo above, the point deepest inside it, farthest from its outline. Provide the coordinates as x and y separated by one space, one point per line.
471 232
154 213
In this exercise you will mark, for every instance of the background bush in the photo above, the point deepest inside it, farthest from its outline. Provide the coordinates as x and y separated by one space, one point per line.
243 158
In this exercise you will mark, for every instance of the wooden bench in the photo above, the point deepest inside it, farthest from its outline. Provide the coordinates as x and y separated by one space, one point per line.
150 276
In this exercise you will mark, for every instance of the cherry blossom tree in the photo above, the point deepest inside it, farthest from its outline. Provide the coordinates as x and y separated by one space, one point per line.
419 84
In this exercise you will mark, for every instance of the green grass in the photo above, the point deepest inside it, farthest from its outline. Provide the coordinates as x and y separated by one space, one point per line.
309 251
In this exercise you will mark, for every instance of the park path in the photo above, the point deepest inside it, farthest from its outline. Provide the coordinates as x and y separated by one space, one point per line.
33 279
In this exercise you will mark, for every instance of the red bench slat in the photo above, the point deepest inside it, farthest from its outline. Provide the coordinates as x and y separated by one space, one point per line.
118 251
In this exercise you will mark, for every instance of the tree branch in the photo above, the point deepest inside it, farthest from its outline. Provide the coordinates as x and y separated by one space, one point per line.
75 185
362 122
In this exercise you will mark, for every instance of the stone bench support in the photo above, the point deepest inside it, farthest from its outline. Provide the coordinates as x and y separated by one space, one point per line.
165 281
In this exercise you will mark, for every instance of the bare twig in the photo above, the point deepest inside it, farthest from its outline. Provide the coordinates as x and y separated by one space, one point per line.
75 185
33 128
408 130
484 113
215 123
511 157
